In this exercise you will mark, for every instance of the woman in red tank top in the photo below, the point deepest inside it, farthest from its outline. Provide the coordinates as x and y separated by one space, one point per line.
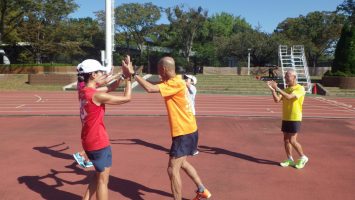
93 97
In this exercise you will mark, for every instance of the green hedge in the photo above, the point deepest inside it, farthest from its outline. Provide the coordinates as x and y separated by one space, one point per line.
40 65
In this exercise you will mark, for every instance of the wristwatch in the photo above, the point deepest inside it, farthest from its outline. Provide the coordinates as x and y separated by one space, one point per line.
123 77
134 74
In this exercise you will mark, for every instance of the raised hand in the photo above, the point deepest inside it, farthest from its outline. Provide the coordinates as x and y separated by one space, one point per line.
127 66
270 85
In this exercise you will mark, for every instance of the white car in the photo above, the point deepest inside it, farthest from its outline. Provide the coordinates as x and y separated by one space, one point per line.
5 59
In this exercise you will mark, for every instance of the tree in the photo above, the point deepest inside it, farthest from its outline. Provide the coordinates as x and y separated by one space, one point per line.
78 38
185 26
317 31
344 61
137 20
217 30
41 26
263 47
348 8
12 14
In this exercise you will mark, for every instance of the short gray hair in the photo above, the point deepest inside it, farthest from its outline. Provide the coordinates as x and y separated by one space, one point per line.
292 71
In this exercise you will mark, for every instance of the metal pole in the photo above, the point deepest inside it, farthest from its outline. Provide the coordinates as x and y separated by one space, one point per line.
108 35
249 61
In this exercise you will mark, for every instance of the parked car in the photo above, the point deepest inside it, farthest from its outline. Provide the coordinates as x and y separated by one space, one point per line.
3 58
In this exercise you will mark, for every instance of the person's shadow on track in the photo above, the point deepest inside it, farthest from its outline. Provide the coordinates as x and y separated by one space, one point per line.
127 188
139 142
55 153
217 150
50 192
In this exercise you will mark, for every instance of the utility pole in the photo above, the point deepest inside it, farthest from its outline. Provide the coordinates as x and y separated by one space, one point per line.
249 61
110 34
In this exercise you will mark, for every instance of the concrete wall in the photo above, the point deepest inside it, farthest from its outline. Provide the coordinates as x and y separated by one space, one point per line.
51 79
36 69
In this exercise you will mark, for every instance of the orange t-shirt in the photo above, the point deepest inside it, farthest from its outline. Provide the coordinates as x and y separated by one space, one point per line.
181 119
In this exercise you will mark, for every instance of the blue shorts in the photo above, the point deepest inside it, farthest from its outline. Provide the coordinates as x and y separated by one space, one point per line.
291 126
101 158
184 145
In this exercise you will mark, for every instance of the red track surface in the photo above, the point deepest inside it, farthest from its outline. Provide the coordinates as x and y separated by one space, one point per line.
64 103
240 144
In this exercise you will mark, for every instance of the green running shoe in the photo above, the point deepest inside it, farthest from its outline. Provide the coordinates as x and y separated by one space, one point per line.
287 163
301 163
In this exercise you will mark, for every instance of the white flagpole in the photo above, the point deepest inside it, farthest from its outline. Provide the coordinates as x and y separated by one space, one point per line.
109 34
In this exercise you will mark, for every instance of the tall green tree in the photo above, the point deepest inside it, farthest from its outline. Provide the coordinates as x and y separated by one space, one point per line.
217 30
344 61
348 8
263 47
317 31
137 20
185 25
225 24
77 39
41 26
12 14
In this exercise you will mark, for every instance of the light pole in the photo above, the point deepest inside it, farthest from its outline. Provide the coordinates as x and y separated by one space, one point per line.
249 61
109 34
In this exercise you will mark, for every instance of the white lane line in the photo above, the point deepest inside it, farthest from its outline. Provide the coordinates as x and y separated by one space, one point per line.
20 106
39 98
335 103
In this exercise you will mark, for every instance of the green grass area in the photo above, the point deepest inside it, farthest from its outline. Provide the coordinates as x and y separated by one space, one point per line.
231 85
206 84
18 82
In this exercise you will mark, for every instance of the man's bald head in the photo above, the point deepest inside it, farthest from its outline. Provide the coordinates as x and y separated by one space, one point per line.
166 67
167 62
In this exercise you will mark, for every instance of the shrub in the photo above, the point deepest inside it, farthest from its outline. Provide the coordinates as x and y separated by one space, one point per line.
344 61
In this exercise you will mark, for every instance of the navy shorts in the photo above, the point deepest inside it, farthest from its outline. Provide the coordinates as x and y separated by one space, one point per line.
184 145
101 158
291 126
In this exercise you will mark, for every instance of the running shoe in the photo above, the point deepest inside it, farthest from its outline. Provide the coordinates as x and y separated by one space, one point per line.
195 153
79 159
287 163
203 195
88 164
301 162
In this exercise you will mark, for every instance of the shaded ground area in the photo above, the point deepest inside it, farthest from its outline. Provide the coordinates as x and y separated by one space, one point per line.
238 159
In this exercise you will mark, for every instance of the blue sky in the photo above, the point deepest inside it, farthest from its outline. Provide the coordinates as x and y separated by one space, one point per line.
265 13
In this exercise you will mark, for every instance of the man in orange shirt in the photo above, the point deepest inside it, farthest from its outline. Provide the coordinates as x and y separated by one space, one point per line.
183 125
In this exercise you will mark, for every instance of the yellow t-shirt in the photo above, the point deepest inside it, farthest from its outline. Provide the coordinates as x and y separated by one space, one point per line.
181 119
292 109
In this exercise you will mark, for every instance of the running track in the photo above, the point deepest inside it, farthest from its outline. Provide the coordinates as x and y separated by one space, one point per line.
65 103
240 146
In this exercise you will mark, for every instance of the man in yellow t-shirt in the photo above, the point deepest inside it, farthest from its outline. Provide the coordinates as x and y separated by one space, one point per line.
183 126
292 100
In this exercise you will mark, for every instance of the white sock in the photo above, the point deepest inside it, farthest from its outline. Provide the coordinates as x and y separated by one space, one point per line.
290 158
304 156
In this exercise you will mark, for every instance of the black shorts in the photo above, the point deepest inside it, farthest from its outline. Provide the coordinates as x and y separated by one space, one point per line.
291 126
101 158
184 145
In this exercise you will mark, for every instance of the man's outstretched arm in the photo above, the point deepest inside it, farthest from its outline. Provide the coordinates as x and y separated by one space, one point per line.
150 88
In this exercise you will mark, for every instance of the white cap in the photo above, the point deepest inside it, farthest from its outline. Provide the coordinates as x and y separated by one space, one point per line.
90 65
193 79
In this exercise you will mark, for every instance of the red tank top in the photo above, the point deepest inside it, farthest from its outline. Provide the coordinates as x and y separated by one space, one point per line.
93 132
